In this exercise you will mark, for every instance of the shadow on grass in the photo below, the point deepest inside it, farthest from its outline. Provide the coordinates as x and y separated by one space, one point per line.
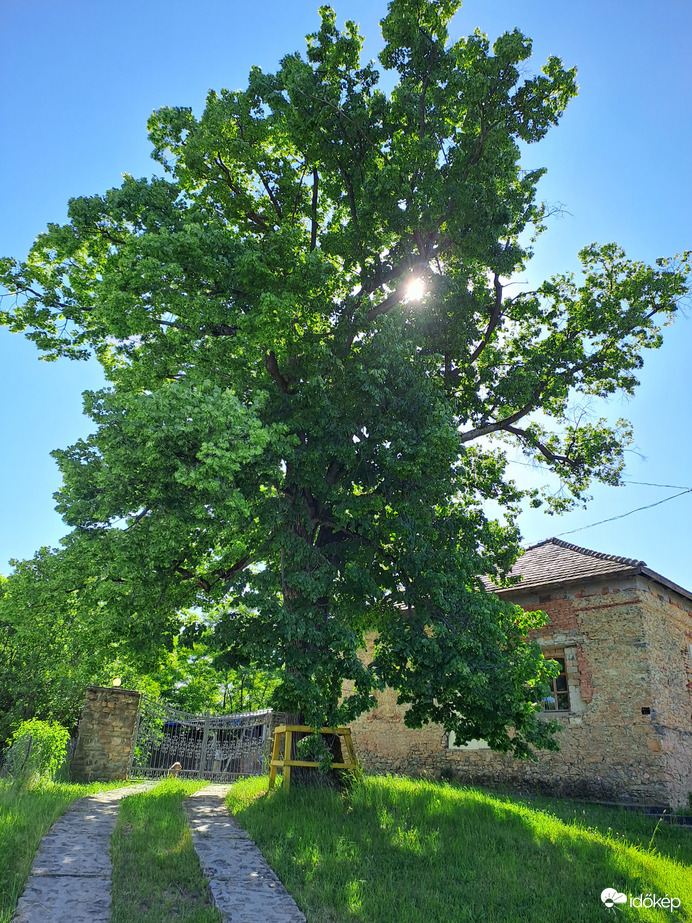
421 852
156 873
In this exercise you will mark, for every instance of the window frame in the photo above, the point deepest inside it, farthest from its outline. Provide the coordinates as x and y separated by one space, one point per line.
556 693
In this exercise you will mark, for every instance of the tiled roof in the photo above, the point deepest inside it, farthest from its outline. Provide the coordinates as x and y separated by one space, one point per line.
554 561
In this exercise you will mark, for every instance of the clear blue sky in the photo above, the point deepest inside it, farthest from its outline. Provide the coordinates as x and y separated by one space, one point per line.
79 80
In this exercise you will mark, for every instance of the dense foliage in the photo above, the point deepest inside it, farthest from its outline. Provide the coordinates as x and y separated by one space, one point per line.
314 365
51 648
37 751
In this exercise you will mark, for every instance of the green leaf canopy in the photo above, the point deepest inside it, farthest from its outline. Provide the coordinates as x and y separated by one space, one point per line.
314 364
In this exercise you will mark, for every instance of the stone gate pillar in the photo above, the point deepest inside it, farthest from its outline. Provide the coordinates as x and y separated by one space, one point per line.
106 731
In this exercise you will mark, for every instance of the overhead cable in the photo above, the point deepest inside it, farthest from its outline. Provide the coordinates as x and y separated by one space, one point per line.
623 515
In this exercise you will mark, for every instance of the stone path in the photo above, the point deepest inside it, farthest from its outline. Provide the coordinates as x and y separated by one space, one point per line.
244 887
71 875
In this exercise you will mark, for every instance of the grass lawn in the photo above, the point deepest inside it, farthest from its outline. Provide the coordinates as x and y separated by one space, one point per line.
156 873
25 816
413 851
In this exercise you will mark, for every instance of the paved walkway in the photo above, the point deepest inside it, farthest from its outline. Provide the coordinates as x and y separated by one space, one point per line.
71 875
244 887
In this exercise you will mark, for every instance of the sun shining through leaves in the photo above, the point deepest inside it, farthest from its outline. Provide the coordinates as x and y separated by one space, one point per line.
415 289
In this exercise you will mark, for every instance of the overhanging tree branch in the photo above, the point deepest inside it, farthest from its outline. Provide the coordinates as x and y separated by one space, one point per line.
495 317
313 224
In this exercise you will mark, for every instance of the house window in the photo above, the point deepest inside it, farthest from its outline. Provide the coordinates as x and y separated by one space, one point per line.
558 697
469 745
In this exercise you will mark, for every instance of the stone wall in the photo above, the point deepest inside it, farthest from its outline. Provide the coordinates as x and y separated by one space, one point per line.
627 736
668 636
106 731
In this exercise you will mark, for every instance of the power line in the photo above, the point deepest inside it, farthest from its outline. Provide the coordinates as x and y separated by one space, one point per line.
623 515
649 484
685 489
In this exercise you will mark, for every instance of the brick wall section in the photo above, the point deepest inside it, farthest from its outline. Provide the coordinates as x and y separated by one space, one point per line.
106 730
627 647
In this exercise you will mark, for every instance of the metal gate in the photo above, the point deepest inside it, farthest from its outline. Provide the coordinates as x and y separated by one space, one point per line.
220 748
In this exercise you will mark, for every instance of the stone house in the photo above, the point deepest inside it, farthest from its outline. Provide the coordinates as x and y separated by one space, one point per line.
622 635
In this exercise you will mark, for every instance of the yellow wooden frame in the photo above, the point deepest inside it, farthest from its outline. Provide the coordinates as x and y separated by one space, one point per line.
287 731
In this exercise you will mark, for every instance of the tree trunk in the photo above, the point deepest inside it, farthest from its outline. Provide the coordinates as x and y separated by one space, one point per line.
305 775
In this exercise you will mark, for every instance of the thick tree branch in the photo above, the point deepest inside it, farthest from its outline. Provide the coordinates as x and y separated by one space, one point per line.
500 424
313 227
272 197
495 316
552 457
393 299
272 366
421 244
226 573
334 472
159 321
219 330
229 572
104 233
421 105
384 277
351 199
139 517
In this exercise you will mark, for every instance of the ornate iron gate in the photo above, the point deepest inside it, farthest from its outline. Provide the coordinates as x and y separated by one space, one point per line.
220 748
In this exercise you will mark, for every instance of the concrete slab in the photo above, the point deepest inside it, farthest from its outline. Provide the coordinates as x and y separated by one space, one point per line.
244 888
71 874
50 899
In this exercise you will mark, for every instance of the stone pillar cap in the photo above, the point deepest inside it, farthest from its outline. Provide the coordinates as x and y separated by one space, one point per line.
116 689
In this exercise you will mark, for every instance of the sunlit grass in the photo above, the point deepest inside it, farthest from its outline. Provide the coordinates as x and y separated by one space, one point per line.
393 849
420 852
156 873
26 815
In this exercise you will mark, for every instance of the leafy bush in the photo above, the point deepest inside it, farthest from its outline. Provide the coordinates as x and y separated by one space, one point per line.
37 750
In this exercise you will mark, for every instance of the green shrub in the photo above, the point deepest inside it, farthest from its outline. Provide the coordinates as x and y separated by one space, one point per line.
37 750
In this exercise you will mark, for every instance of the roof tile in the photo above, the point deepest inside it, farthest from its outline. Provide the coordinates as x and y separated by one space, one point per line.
554 561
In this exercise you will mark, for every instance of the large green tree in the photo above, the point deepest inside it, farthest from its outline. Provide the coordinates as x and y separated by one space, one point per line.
315 366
